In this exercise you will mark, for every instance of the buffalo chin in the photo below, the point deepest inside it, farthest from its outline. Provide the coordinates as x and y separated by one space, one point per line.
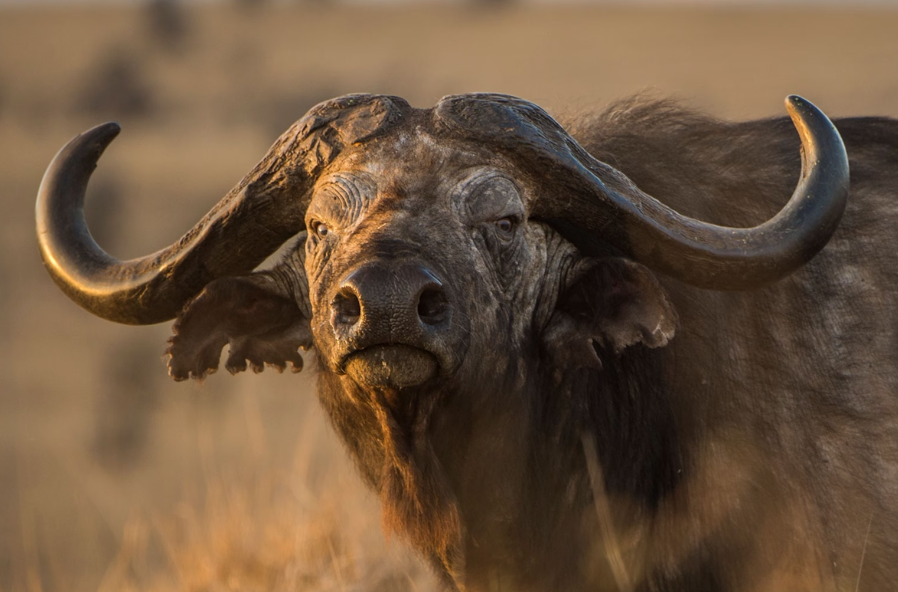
391 366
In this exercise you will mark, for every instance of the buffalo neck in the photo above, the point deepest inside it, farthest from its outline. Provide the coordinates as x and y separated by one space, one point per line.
496 452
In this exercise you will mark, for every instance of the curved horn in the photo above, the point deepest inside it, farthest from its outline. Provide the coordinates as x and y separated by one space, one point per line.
593 197
263 211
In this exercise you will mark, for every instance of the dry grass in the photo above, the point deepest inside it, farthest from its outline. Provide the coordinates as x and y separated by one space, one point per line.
247 520
114 478
267 538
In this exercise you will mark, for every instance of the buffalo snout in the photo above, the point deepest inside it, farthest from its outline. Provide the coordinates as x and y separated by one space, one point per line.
397 303
393 323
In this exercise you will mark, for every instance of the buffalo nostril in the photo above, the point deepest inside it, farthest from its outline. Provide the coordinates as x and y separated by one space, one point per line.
346 307
432 305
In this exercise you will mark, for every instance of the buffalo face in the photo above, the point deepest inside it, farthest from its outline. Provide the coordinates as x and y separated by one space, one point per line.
409 244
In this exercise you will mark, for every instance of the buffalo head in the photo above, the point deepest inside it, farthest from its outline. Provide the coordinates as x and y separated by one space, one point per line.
420 222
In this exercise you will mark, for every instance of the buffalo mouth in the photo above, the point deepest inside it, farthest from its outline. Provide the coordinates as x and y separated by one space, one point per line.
393 366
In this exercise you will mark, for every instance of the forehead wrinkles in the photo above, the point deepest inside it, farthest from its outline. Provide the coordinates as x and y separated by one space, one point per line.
347 195
414 175
343 197
486 192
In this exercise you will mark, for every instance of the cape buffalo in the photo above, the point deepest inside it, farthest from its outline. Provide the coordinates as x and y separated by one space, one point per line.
563 364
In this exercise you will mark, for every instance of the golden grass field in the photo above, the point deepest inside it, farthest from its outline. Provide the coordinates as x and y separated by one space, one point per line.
112 477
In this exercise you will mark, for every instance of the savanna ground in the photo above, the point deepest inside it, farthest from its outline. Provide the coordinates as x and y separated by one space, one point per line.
112 477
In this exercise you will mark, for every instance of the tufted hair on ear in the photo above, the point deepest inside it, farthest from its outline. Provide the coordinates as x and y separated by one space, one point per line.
609 304
253 315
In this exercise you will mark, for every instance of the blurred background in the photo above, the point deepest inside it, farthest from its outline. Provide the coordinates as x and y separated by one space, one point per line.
113 477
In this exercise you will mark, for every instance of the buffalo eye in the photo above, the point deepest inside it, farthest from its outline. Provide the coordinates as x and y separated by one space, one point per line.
505 225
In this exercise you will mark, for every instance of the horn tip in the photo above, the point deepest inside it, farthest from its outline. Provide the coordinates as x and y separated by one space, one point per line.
103 133
798 106
802 110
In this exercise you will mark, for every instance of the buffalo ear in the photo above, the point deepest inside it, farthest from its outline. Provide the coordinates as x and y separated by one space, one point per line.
609 304
262 324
